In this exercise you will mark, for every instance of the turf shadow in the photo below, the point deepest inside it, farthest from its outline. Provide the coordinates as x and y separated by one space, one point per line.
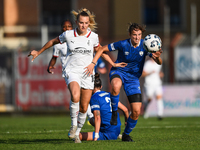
35 141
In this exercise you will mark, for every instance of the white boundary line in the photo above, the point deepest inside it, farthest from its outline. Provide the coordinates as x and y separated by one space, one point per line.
86 130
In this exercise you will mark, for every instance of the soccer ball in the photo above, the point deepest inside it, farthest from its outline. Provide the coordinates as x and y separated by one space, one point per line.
152 43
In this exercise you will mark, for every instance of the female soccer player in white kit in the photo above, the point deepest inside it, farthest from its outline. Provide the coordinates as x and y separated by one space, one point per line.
61 50
80 42
153 86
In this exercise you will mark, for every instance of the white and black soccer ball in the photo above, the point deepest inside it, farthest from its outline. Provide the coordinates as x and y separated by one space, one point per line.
152 43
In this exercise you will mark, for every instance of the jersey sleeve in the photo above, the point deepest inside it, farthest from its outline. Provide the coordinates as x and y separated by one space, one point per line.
96 41
62 37
149 54
94 103
56 50
114 46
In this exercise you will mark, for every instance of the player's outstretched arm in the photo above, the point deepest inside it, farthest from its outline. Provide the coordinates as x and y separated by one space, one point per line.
51 65
125 111
97 120
99 50
156 57
109 60
50 43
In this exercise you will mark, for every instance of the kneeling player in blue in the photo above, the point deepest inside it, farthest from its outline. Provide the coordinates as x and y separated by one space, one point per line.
132 52
101 107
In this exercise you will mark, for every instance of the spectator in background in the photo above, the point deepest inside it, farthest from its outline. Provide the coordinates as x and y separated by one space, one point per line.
152 74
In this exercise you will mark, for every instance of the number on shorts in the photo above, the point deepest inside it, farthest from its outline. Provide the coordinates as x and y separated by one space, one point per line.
92 76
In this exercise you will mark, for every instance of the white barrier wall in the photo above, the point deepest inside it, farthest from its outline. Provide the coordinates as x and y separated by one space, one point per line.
179 100
187 63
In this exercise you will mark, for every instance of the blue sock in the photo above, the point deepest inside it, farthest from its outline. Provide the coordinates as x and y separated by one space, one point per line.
130 125
114 102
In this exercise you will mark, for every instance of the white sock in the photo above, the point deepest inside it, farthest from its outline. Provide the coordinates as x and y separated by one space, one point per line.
89 112
81 121
160 107
74 109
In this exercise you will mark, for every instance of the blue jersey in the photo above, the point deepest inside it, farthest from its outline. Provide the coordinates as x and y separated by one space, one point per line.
135 57
101 101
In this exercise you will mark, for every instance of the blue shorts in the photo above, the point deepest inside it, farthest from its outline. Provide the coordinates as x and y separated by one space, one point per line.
112 135
131 86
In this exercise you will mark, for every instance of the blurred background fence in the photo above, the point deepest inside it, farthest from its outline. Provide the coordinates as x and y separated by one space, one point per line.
26 25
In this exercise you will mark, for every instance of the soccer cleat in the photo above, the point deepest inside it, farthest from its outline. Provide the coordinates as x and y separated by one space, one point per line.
113 120
72 131
160 118
127 138
77 139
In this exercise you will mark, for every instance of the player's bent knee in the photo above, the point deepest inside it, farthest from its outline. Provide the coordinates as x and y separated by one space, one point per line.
115 91
116 83
75 97
135 115
83 109
116 88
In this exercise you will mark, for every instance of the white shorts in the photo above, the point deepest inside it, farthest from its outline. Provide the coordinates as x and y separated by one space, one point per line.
86 82
153 90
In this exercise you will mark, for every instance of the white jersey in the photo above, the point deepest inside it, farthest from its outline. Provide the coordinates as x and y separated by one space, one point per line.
79 49
60 50
153 78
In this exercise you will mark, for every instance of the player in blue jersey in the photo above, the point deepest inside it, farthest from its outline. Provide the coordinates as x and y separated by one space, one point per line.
100 67
130 51
101 107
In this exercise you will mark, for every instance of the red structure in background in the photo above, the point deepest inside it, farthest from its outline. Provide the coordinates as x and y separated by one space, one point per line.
35 88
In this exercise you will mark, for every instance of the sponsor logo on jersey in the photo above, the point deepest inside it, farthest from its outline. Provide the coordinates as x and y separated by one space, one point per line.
138 87
80 50
126 53
141 53
72 42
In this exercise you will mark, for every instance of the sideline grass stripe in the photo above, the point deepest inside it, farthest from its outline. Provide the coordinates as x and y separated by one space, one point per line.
88 130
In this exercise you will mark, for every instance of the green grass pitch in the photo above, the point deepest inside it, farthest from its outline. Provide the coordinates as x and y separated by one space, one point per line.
50 133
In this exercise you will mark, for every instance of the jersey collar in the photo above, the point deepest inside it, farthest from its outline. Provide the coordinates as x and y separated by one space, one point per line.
86 35
98 91
132 44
